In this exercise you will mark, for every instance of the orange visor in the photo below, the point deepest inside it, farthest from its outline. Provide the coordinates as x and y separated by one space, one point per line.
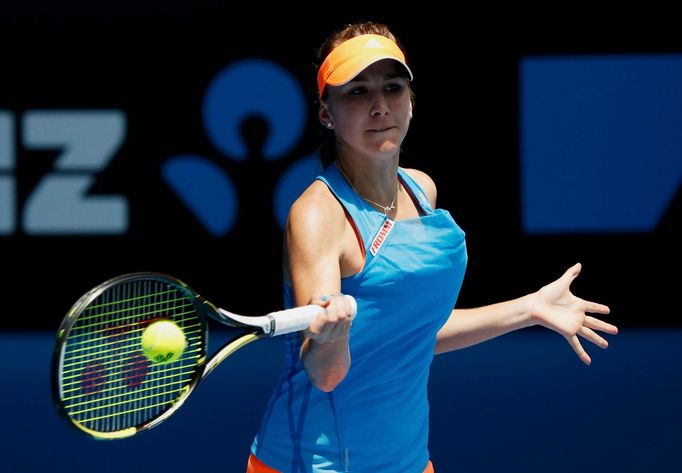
353 56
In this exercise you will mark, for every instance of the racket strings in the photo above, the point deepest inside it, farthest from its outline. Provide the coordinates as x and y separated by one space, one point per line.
124 369
113 397
107 384
76 356
133 319
169 373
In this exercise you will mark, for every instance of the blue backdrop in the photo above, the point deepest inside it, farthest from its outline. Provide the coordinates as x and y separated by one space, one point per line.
522 403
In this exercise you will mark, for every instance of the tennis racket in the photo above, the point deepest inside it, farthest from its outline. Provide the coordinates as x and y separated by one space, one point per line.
106 387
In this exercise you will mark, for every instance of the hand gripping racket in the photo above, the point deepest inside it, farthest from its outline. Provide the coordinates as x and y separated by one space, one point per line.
106 387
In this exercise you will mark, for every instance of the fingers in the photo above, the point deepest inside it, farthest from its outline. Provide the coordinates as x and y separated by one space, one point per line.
597 324
586 332
596 308
572 272
320 300
593 337
338 306
334 322
579 350
338 316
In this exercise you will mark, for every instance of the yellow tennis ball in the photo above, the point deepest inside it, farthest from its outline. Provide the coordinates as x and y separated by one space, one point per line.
163 341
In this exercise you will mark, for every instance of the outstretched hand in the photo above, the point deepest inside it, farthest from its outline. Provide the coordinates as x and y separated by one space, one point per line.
556 308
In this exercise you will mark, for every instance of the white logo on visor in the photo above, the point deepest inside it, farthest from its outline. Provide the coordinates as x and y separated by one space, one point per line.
373 43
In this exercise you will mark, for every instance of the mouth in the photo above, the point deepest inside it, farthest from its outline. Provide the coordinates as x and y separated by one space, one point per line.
381 130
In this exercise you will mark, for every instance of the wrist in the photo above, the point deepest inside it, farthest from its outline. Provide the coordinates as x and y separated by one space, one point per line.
531 308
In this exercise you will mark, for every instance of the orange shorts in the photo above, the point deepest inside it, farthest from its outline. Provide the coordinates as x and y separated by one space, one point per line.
256 466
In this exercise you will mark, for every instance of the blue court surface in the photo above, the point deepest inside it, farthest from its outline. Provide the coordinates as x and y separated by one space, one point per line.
520 403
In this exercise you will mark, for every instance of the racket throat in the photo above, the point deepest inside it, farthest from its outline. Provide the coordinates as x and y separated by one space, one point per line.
266 323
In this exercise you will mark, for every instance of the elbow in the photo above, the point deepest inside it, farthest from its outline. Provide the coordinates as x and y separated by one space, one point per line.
327 383
326 387
439 349
440 346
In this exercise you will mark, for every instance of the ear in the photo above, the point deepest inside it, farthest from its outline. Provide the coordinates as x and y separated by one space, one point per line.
325 117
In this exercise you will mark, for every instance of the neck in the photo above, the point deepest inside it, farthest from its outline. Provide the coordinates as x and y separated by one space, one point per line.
376 182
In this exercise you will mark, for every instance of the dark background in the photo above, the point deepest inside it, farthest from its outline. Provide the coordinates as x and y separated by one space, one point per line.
154 60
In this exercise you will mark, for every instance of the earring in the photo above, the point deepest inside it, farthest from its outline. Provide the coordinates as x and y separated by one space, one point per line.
329 124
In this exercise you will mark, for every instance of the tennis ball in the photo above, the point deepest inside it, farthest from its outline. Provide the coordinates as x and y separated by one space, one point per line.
163 341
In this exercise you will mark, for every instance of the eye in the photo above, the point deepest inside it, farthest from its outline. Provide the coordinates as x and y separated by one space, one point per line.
394 86
357 90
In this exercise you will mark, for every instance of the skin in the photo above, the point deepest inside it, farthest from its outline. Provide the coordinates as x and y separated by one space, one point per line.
370 117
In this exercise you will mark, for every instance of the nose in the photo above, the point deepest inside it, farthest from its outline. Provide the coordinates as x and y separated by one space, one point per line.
380 106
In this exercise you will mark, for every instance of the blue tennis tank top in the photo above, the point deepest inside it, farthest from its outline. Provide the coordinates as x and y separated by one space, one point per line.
377 418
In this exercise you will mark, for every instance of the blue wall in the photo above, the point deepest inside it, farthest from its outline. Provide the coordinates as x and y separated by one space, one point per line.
522 403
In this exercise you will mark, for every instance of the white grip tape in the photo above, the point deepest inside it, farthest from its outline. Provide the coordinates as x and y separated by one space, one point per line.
299 318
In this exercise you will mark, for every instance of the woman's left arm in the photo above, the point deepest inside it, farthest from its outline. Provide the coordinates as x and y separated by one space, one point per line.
553 307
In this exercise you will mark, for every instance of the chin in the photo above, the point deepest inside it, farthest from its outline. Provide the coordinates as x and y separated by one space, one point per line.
389 148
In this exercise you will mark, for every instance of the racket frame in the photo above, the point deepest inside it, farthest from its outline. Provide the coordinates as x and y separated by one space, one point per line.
203 309
254 328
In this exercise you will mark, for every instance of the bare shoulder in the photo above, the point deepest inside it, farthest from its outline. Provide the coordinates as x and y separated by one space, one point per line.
426 183
313 242
315 217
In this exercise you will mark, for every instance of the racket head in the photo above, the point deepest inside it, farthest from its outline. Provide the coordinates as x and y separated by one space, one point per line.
103 384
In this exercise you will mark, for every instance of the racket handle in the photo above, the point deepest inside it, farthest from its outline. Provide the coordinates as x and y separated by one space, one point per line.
299 318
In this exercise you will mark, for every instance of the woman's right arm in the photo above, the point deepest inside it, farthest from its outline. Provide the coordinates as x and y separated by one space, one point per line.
314 241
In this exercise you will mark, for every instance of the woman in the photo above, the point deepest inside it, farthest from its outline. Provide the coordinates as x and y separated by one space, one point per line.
353 395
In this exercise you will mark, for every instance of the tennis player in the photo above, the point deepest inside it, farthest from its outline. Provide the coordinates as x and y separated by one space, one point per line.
354 398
